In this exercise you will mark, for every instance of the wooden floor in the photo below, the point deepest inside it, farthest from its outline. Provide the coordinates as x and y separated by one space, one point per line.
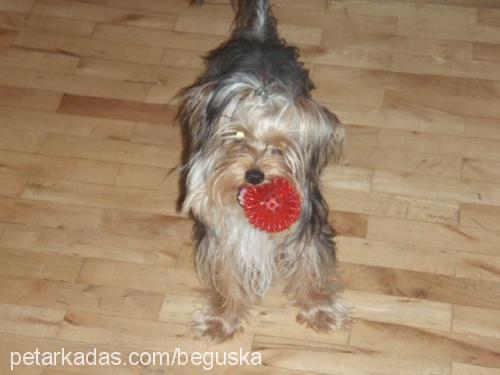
93 254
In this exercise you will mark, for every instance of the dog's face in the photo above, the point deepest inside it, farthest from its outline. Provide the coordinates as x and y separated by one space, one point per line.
254 145
256 137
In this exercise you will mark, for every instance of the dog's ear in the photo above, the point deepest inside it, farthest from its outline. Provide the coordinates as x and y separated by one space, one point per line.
195 113
324 138
336 139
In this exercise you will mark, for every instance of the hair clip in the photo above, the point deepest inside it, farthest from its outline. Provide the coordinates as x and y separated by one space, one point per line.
261 91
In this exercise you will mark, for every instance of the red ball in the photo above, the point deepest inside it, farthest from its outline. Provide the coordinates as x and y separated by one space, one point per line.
271 207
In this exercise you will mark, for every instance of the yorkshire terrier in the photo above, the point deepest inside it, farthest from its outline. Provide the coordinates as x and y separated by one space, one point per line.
250 118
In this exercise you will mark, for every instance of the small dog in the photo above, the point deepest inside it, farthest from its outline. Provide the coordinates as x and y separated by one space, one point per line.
249 118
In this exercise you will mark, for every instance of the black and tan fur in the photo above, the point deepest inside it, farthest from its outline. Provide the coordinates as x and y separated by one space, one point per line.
252 111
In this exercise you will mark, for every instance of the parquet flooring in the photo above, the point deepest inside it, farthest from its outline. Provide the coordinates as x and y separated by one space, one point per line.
94 255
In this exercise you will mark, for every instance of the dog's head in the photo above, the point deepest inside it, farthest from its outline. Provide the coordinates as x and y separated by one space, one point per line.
244 133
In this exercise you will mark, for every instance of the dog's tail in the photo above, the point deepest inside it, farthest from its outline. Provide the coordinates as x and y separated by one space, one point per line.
254 20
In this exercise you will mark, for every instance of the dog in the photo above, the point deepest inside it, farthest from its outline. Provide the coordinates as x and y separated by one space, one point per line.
250 118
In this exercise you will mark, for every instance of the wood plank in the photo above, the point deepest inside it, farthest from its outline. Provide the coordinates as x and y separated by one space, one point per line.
144 177
353 94
26 212
31 264
425 65
393 205
476 321
156 134
484 216
465 369
394 255
488 16
162 201
153 38
409 140
433 210
72 84
409 10
60 295
39 322
134 72
12 185
345 199
354 33
20 140
161 94
481 267
58 167
459 105
481 170
38 100
402 115
448 236
487 51
404 161
373 80
29 59
439 288
362 136
437 187
112 150
482 127
341 56
486 88
155 5
102 13
90 244
7 37
446 30
20 6
297 4
471 147
338 359
181 58
75 46
46 24
60 123
414 343
117 109
400 310
150 277
343 177
346 26
349 224
142 224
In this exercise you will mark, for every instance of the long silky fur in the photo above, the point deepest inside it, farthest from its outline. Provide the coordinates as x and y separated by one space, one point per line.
254 83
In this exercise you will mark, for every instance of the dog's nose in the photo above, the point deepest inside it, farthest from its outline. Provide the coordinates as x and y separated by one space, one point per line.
254 176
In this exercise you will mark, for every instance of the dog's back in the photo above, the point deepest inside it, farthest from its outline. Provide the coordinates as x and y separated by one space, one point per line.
256 48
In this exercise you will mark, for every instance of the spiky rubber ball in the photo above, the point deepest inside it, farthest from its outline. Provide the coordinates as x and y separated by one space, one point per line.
272 207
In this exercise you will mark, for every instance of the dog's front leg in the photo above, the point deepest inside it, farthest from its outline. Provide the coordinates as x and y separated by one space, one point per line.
314 287
226 310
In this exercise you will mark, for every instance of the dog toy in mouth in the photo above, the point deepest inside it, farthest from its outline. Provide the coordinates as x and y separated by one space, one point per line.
271 207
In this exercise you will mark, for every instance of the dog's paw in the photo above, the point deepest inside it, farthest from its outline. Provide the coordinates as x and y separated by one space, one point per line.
214 329
326 318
